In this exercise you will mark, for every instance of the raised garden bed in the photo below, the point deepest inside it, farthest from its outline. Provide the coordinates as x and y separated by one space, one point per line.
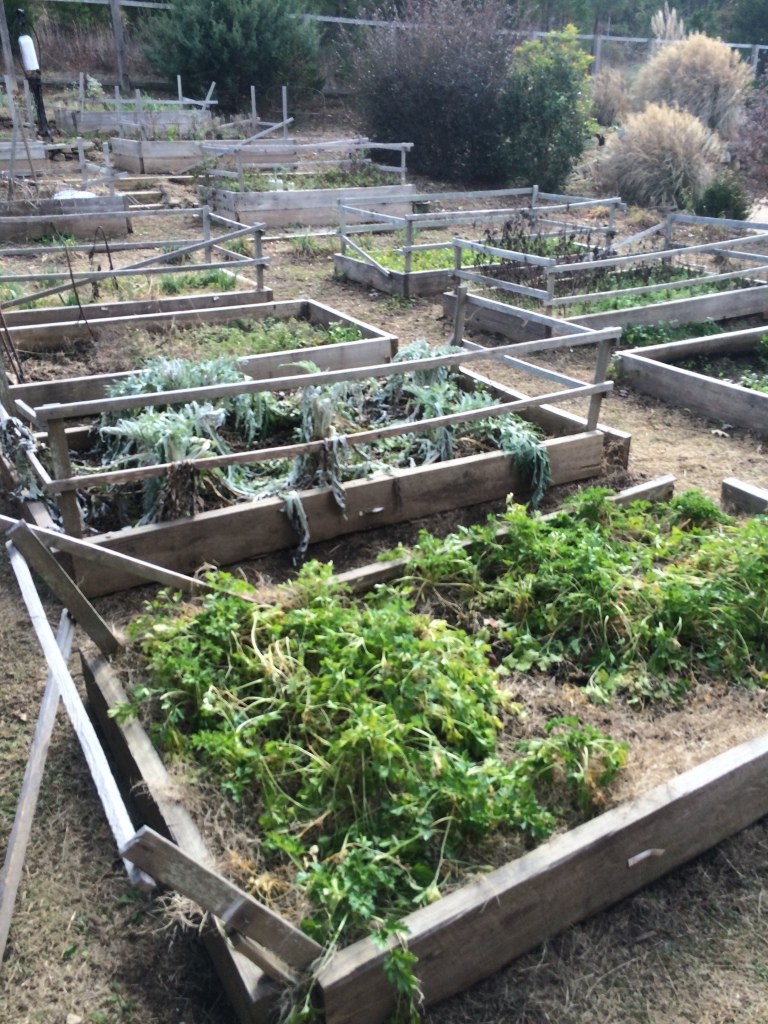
531 898
651 370
229 534
155 156
24 220
306 206
369 266
83 122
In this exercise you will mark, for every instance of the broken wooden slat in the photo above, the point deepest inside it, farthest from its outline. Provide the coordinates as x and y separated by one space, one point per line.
30 788
112 802
272 965
64 588
109 559
172 866
472 932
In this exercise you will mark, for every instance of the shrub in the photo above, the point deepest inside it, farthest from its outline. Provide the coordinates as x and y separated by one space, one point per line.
723 197
433 78
700 75
662 157
609 97
545 109
750 148
237 44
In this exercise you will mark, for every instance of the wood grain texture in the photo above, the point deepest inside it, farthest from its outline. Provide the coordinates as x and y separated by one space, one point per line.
172 866
474 931
253 996
111 800
737 496
230 535
30 788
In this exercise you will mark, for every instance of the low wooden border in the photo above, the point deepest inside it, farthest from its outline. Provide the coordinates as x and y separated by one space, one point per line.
155 156
490 317
50 326
393 282
648 370
26 220
739 497
305 206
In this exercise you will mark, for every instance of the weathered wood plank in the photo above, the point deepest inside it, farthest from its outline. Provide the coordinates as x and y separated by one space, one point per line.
713 398
226 536
64 588
474 931
251 993
169 864
111 800
737 496
30 788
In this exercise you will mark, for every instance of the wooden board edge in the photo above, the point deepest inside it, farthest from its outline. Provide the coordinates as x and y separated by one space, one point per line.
253 997
740 497
474 931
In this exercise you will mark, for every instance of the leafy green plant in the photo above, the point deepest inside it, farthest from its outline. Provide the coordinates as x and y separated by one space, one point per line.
237 44
546 109
723 197
642 601
368 731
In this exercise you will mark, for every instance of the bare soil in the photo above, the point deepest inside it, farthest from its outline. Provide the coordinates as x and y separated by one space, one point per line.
691 948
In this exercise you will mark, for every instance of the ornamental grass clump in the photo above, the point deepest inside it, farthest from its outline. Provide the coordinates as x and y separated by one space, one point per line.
700 75
661 157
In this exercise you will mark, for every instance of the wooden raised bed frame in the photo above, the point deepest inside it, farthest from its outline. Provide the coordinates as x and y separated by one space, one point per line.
472 932
233 534
648 371
27 220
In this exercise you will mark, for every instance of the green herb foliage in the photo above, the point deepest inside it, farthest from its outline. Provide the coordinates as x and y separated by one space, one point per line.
368 731
643 601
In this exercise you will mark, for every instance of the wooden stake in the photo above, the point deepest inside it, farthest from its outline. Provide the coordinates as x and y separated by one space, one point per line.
112 802
30 788
64 588
117 28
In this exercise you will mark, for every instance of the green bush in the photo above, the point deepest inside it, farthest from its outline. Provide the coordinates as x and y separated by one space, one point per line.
546 109
237 44
433 78
724 197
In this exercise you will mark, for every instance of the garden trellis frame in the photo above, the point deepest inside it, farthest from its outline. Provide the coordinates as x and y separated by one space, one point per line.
354 219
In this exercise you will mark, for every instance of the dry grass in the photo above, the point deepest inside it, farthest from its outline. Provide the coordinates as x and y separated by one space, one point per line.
609 97
663 157
700 75
92 49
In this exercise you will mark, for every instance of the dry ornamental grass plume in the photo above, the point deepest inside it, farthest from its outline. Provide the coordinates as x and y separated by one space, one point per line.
666 25
663 157
609 97
701 75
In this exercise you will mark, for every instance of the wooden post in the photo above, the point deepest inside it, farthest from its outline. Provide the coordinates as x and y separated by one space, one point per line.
601 369
285 111
117 28
342 228
108 166
258 252
408 243
30 788
8 66
254 113
598 55
81 91
181 92
402 166
81 158
62 467
206 215
240 175
754 56
458 319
